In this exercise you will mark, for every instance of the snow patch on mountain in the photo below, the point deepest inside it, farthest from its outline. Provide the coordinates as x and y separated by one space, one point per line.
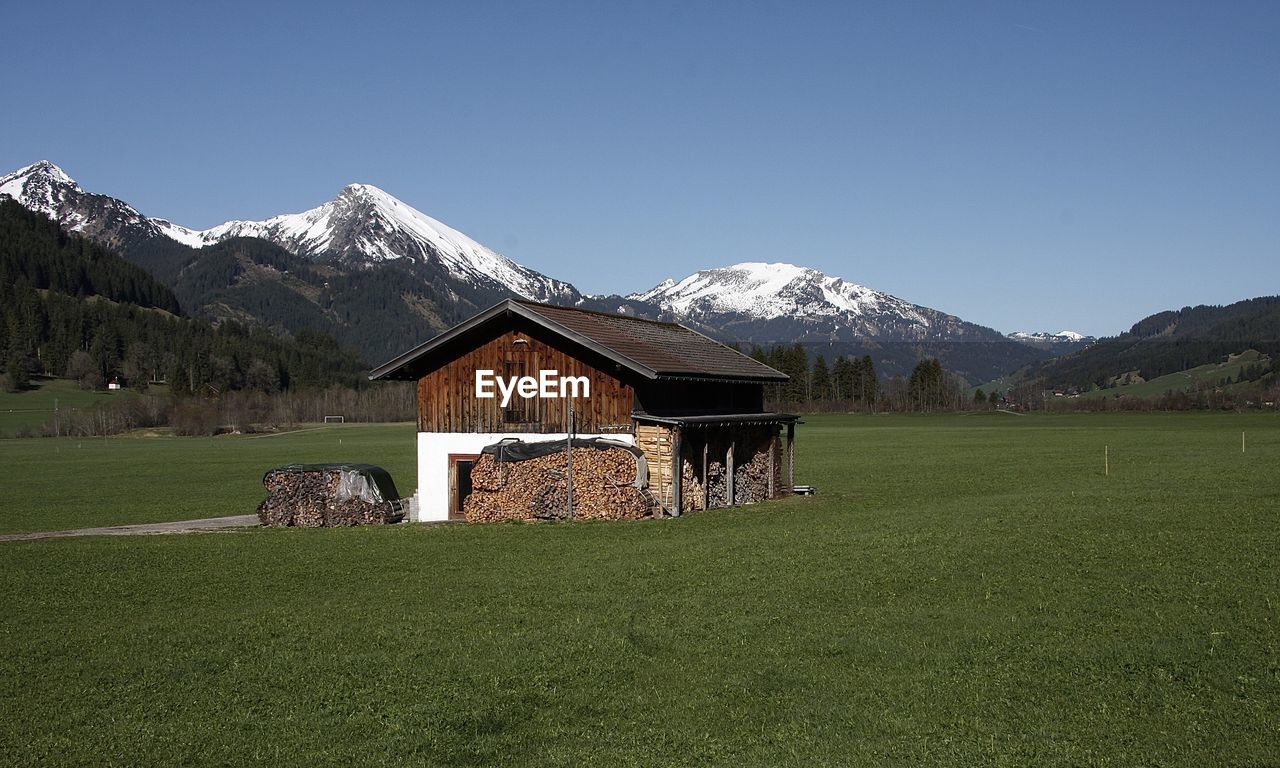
775 290
181 234
1061 337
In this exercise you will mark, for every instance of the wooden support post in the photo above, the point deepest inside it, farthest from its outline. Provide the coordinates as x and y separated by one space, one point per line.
706 486
677 471
568 467
773 444
728 469
791 456
664 482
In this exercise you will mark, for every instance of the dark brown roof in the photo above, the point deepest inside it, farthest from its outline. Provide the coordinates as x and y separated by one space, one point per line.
651 348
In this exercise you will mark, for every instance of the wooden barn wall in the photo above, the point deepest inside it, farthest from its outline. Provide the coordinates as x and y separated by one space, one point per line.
657 442
447 401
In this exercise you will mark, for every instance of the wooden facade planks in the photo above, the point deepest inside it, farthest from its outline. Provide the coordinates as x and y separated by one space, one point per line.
657 443
447 400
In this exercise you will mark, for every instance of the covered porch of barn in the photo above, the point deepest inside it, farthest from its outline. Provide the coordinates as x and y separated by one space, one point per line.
723 460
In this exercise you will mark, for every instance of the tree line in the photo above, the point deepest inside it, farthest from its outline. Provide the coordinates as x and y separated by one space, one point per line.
850 383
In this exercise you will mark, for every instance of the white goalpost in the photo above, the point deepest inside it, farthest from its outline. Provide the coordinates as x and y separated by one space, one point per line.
335 420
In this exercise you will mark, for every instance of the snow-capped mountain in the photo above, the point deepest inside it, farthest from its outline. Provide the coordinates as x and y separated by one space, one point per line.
1059 343
1060 337
362 227
379 275
365 226
761 299
42 187
47 189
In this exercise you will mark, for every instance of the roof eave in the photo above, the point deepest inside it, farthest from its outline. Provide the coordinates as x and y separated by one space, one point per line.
393 366
779 379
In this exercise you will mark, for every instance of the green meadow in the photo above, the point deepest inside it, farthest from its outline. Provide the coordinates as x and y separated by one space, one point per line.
81 482
963 590
31 409
1205 376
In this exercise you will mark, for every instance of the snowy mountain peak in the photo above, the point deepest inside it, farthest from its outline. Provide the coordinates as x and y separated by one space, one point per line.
768 301
366 190
1059 337
361 227
43 169
365 225
40 186
45 188
1057 343
773 290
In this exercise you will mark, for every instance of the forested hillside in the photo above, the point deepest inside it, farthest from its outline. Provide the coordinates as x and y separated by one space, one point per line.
70 307
1168 342
35 250
379 312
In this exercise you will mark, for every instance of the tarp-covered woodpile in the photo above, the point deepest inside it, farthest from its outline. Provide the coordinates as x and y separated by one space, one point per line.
530 481
329 495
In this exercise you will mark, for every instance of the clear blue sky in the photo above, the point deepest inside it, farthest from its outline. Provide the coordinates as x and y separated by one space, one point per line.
1024 165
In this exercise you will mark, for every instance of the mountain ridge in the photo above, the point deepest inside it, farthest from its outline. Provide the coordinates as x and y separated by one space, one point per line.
368 253
362 224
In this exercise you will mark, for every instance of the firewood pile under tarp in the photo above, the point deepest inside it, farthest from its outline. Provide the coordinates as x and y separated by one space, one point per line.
329 496
529 481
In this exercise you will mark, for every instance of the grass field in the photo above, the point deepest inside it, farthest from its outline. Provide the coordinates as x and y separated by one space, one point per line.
75 483
32 408
964 590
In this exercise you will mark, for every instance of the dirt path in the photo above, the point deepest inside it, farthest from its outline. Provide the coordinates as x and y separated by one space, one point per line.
180 526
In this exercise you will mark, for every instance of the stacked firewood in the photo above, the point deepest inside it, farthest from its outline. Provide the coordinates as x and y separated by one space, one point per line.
717 485
751 480
310 500
691 487
537 489
750 477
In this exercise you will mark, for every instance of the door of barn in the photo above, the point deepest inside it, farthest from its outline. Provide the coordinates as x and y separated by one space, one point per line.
460 465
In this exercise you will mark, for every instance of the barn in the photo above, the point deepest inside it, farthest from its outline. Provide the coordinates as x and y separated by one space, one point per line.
693 407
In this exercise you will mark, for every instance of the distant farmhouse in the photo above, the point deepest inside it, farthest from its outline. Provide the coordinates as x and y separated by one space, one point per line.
691 405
